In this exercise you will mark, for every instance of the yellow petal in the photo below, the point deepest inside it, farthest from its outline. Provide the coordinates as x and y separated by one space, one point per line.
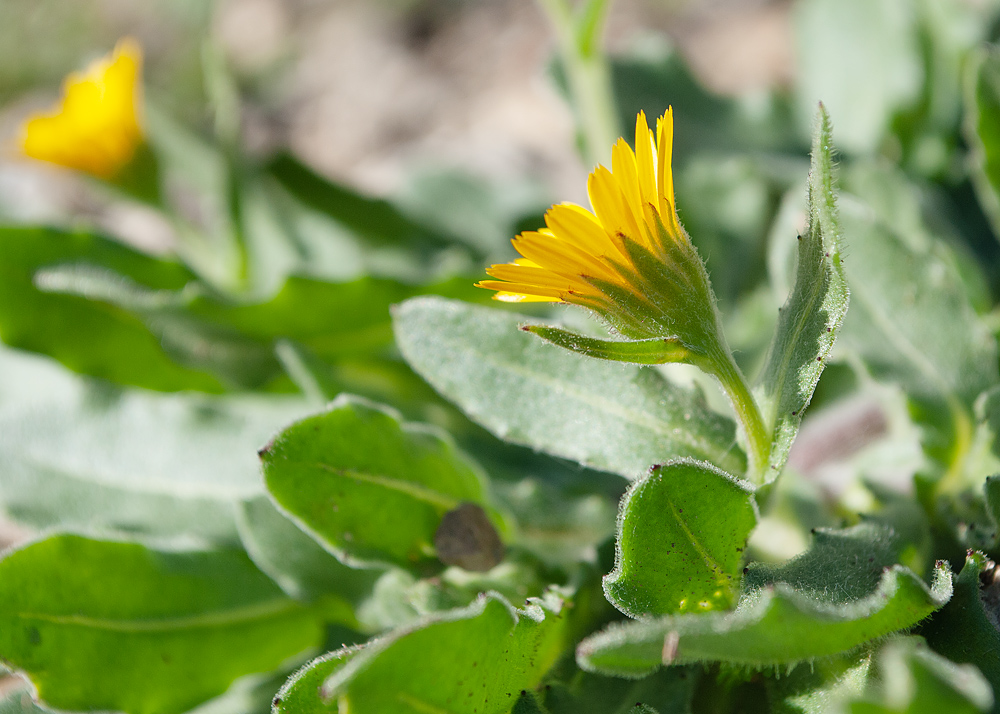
575 224
96 127
664 173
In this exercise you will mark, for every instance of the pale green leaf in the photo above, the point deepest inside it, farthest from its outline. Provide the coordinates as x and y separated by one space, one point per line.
606 416
811 317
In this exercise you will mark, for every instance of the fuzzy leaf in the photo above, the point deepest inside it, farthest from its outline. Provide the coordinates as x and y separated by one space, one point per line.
156 632
478 659
829 600
962 630
606 416
681 535
367 486
811 317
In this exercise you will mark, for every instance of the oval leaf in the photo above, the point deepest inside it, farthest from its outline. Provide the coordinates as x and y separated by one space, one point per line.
612 417
836 596
366 485
681 535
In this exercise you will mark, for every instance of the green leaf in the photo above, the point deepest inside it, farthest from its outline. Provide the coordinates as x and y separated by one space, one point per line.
478 659
657 350
681 535
982 129
80 453
669 690
964 630
107 625
605 416
913 678
811 317
105 310
295 561
88 336
835 597
367 486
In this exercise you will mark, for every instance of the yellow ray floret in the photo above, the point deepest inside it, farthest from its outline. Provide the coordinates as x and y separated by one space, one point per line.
582 257
96 128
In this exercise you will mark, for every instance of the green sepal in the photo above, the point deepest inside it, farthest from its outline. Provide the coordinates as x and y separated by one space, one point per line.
655 350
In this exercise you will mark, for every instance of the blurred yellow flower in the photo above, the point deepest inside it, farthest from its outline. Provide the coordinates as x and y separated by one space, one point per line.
96 129
630 260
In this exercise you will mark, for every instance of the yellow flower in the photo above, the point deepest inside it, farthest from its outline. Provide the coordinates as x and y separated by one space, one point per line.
630 260
96 129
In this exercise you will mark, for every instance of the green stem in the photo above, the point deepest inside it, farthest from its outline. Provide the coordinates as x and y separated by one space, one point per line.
587 74
722 365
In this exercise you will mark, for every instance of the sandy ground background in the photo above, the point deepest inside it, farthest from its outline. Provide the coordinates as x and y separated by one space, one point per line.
366 91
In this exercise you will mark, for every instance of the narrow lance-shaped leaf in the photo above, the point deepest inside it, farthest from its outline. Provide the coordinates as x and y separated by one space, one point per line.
478 659
606 416
367 486
837 596
153 632
681 535
657 350
809 320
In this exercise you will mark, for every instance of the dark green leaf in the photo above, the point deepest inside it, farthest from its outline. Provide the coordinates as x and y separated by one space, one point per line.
833 598
476 659
811 317
606 416
965 629
367 486
681 535
109 625
982 130
668 691
374 219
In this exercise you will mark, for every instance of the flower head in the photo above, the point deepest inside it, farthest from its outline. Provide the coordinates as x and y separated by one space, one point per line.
629 260
96 128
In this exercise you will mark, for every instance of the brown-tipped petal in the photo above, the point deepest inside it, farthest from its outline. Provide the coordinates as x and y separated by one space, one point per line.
664 155
645 161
